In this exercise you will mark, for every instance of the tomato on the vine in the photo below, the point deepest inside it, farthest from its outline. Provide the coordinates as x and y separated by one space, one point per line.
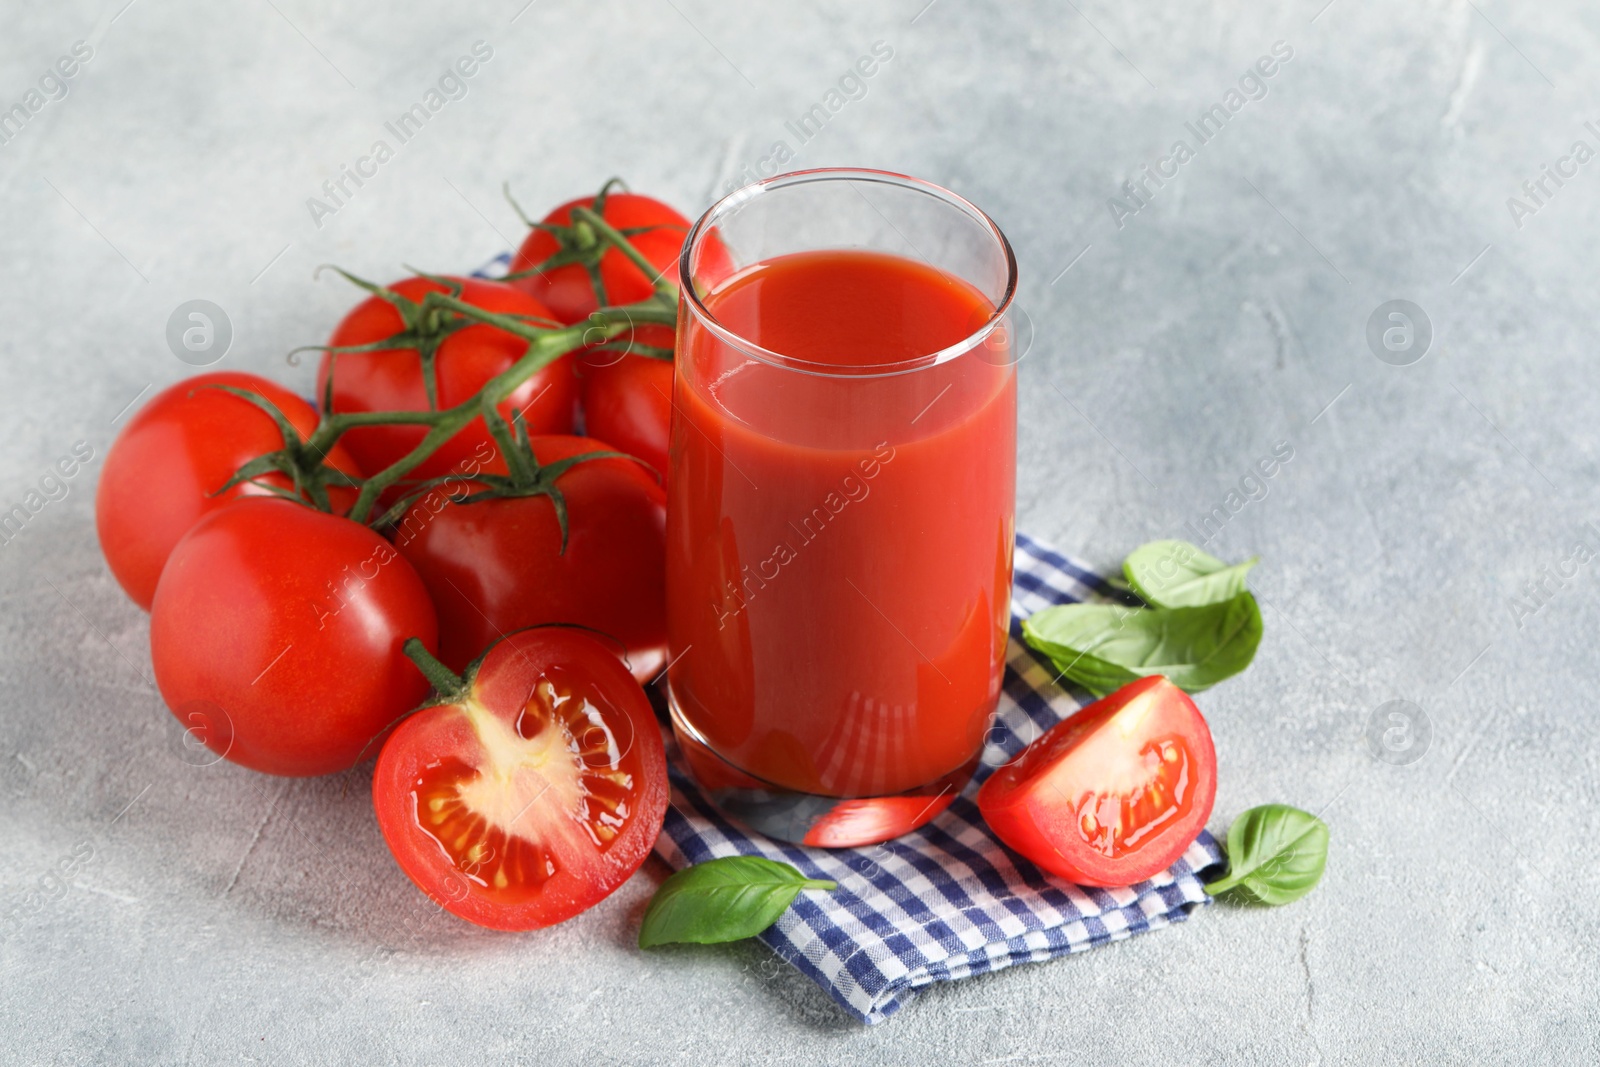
1115 793
626 398
627 403
391 379
626 394
497 565
178 450
533 789
654 228
280 629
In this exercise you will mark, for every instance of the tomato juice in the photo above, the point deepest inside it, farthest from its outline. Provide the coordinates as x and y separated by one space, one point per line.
839 534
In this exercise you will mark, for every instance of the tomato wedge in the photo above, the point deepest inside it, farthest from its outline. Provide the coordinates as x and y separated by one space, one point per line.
532 790
1115 793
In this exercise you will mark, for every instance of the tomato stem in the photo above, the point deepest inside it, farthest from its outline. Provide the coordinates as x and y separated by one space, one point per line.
586 238
452 688
306 468
663 284
425 324
545 346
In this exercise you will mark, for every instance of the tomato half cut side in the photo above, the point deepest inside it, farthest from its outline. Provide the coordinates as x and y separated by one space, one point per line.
532 795
1115 793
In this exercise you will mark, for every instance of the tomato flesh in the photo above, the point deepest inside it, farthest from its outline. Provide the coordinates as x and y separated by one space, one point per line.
1112 795
559 745
535 796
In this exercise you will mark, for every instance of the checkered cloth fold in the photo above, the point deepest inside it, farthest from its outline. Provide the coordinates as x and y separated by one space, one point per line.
948 900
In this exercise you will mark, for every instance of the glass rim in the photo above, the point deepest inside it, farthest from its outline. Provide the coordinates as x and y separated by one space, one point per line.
743 195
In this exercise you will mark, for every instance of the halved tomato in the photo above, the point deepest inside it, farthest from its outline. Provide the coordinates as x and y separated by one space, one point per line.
1115 793
535 788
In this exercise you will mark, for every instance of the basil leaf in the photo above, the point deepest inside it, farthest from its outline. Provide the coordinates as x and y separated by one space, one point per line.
1176 574
724 899
1276 854
1105 646
1097 676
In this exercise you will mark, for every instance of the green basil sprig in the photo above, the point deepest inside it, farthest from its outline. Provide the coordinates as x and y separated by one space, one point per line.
1203 625
1276 854
1105 646
1176 574
726 899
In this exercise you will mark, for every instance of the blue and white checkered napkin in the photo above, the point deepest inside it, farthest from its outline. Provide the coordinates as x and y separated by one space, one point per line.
947 900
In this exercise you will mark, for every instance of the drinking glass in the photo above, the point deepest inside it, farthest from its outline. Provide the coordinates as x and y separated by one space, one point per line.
842 488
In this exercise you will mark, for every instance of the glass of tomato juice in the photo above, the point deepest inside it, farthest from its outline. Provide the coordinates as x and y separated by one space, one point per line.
840 525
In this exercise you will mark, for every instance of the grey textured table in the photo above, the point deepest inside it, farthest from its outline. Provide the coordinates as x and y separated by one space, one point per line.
174 914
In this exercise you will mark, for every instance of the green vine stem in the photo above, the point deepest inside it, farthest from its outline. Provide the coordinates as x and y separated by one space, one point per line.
662 282
451 687
545 346
443 310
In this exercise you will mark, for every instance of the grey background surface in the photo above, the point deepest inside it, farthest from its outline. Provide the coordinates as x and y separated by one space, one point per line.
223 916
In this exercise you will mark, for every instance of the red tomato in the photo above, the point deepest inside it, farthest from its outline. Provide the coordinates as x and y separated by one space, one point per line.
179 449
494 566
567 291
1115 793
534 792
627 402
391 379
279 628
626 398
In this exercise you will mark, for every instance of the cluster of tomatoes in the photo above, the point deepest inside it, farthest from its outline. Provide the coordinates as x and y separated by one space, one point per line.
313 575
